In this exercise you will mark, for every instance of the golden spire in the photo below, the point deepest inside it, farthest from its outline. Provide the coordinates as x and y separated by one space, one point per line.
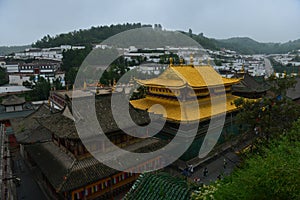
274 72
200 61
181 61
284 73
84 85
114 85
243 69
191 59
171 60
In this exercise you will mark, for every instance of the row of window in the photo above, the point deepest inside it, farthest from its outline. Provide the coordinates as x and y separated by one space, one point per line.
41 67
101 186
176 92
115 180
149 165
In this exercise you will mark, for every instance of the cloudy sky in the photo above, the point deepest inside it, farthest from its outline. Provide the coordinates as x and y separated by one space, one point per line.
25 21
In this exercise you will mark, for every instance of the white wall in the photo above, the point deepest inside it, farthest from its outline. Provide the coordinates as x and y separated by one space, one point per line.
9 109
12 68
17 79
18 108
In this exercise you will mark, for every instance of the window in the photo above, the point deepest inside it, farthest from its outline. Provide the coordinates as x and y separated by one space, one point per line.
77 195
95 188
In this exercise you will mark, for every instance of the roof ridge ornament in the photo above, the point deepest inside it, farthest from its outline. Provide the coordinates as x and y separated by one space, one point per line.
171 61
191 59
243 69
181 61
200 61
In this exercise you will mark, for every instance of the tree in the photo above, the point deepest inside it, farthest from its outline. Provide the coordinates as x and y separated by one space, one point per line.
41 89
71 75
141 93
72 60
115 71
90 36
27 84
57 84
273 174
218 62
3 76
270 115
297 58
190 33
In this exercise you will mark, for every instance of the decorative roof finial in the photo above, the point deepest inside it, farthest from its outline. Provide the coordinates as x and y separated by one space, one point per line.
171 61
181 61
208 61
84 85
191 59
200 61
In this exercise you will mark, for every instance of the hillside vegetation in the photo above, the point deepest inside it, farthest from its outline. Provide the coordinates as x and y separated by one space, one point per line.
246 45
96 35
6 50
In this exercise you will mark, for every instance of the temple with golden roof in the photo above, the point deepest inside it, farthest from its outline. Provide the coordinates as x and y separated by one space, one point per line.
176 90
181 84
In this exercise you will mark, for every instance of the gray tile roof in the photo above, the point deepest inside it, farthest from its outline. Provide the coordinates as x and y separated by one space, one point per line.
51 161
29 130
66 173
250 84
63 171
294 93
64 127
13 100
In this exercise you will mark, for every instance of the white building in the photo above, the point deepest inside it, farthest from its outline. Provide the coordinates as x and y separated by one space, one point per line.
12 68
53 53
19 73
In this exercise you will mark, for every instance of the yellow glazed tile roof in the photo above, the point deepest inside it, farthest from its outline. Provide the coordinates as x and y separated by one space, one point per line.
194 76
171 109
168 78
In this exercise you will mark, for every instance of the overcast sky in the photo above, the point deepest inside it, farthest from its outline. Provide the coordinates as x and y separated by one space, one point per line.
25 21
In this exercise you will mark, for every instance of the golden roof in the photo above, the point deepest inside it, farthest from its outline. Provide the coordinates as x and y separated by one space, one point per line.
194 76
187 110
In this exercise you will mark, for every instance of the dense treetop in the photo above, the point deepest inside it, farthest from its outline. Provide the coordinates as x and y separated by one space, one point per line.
98 34
94 35
270 173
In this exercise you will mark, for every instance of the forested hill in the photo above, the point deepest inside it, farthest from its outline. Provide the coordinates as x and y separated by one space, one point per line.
96 35
249 46
6 50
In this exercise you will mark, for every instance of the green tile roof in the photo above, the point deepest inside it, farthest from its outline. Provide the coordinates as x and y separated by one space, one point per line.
160 186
